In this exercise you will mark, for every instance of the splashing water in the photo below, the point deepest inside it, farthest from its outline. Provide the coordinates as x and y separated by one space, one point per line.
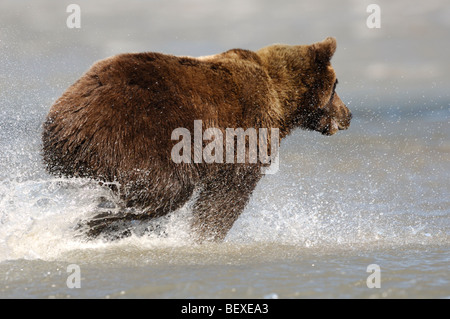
350 201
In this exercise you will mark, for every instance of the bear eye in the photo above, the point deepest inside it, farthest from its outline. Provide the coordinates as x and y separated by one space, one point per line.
334 89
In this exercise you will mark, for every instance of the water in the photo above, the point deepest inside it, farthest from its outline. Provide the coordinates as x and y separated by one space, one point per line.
378 193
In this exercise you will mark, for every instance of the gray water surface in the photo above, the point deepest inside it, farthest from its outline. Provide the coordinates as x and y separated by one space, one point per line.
378 193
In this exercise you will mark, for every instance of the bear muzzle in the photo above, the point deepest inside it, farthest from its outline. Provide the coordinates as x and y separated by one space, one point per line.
338 117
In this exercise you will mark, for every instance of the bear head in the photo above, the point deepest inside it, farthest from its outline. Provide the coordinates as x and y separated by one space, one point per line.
306 82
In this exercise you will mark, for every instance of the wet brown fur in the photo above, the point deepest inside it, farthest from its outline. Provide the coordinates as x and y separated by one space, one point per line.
115 124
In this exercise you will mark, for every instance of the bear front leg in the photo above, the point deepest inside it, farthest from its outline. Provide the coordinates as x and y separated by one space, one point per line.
143 201
222 199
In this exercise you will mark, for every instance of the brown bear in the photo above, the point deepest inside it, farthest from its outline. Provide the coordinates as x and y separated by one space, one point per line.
115 124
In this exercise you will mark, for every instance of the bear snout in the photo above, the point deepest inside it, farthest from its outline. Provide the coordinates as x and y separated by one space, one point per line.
345 119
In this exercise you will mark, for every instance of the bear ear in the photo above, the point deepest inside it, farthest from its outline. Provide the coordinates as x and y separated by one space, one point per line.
321 52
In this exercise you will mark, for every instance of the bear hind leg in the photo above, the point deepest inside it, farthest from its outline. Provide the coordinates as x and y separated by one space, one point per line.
129 220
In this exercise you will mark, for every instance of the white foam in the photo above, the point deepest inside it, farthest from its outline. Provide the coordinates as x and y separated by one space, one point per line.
38 219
